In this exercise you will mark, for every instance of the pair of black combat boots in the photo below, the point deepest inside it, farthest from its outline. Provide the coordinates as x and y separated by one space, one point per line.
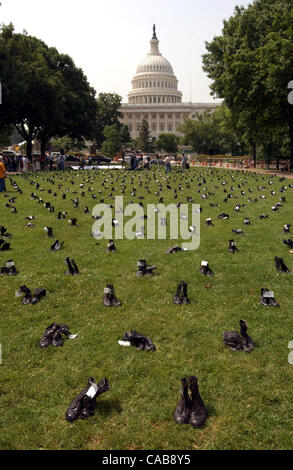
53 335
181 296
84 404
190 409
30 298
138 340
110 299
9 268
143 269
72 267
238 342
267 298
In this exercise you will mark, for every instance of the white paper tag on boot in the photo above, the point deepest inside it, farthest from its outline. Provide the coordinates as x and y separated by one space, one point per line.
19 293
72 336
107 290
124 343
92 391
268 295
9 264
204 263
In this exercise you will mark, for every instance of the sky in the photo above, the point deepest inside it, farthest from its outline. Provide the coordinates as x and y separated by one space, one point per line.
109 38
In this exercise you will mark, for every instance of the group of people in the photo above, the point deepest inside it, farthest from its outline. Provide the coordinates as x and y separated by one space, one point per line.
14 163
18 163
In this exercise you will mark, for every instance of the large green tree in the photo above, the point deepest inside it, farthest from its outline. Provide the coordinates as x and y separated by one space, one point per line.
108 113
167 142
116 136
250 65
44 94
144 141
212 133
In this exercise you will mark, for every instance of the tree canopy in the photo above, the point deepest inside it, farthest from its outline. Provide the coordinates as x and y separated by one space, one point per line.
212 133
250 66
167 142
108 113
44 93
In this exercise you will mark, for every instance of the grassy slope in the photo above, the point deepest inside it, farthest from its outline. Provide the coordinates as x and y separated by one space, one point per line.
248 396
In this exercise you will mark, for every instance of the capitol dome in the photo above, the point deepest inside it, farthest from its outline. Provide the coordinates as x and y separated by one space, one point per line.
154 81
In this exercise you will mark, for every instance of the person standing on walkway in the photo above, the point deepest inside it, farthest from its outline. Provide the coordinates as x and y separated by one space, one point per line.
2 176
184 161
24 164
168 164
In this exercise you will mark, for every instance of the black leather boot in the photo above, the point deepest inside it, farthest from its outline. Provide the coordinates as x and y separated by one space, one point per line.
185 296
289 243
248 344
75 268
49 231
28 295
113 299
56 246
232 247
183 409
111 247
178 297
174 249
76 406
39 293
106 299
199 413
70 267
84 405
205 269
47 337
281 266
139 341
233 340
141 264
267 298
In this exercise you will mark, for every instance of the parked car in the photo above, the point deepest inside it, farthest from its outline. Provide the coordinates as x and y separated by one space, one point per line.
72 158
99 159
8 153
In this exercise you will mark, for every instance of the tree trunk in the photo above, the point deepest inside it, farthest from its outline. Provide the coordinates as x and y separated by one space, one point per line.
277 164
29 148
43 145
253 145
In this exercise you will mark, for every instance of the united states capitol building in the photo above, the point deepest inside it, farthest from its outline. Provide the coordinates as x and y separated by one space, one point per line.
155 97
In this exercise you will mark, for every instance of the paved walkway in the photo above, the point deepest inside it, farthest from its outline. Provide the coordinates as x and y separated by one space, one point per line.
284 174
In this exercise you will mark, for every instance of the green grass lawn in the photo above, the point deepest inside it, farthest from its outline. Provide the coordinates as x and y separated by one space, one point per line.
248 396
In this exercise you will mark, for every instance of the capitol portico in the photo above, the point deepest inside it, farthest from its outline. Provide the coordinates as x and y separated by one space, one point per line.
155 97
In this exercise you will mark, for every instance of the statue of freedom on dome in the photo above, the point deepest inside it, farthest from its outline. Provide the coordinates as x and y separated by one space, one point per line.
154 32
